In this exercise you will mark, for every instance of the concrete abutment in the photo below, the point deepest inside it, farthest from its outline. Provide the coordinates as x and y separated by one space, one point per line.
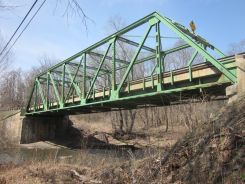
18 129
237 89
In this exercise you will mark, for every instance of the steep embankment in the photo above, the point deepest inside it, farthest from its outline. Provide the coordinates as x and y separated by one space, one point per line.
213 153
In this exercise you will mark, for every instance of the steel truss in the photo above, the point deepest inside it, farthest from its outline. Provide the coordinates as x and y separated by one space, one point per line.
90 79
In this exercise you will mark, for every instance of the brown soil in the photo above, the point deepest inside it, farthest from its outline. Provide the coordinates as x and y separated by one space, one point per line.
154 136
211 153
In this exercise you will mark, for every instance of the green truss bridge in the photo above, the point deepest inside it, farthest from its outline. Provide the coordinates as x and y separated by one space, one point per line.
154 61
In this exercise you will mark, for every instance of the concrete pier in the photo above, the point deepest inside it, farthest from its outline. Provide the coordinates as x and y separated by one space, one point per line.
17 129
240 61
237 89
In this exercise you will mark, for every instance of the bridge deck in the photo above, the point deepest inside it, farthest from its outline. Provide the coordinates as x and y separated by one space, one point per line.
74 85
206 79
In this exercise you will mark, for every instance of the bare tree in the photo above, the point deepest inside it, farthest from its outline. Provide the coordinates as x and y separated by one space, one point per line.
74 8
45 62
15 85
236 48
180 59
4 62
12 90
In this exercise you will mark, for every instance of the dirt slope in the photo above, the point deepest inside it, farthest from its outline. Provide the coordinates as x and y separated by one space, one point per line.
213 153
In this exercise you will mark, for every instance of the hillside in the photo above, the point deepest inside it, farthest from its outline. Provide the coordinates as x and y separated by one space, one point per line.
212 153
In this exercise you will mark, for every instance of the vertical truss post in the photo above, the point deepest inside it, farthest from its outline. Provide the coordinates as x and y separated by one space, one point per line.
47 96
55 90
63 85
35 98
30 98
128 86
170 24
113 76
98 70
41 93
73 83
153 70
157 82
172 77
190 64
109 80
158 57
143 82
83 101
152 82
103 92
134 58
132 73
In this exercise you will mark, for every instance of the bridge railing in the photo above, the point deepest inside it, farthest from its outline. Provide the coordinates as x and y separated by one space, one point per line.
118 68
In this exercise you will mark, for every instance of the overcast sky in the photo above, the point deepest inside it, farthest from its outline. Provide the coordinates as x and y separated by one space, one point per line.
221 22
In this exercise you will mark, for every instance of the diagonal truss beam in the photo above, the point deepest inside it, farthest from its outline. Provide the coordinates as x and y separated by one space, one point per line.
108 57
39 87
136 44
134 58
75 76
187 38
97 72
55 88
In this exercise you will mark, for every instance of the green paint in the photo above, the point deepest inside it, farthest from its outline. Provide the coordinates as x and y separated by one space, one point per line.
84 74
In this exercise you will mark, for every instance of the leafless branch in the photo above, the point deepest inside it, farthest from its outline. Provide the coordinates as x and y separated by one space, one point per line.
74 8
236 48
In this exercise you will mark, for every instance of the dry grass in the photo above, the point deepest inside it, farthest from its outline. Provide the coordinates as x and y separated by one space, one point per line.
56 170
42 173
214 153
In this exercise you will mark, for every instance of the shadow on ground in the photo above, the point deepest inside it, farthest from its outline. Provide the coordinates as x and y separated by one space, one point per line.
75 138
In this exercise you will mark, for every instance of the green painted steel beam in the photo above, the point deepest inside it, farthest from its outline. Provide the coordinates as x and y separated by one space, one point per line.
56 80
196 46
134 97
134 58
89 67
176 49
76 77
55 89
41 93
105 40
97 72
147 58
192 58
63 85
109 58
113 76
35 98
76 87
30 97
135 44
84 77
73 80
66 73
159 66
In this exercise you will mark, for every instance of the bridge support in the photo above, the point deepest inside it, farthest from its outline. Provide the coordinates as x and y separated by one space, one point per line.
17 129
240 62
239 88
43 128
